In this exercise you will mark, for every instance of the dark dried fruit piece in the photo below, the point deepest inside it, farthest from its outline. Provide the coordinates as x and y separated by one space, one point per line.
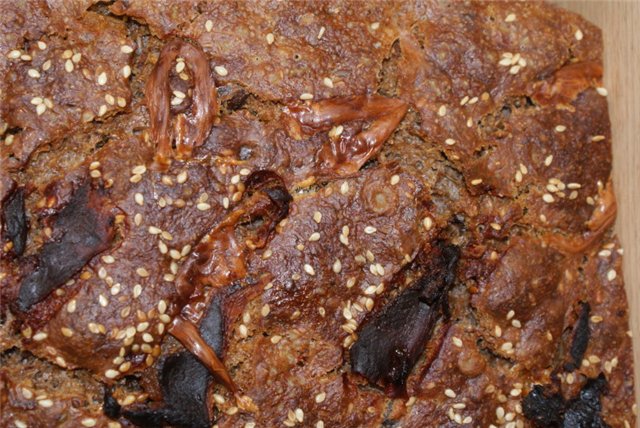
550 410
580 340
390 343
82 229
14 221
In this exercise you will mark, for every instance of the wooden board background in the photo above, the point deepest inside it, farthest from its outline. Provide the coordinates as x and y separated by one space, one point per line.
619 22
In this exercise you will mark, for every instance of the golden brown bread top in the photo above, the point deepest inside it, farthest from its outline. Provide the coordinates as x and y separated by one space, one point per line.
393 126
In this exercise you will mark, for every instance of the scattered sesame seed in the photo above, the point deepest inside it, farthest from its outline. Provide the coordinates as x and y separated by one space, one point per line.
32 72
40 336
110 374
46 65
597 138
142 272
611 275
208 25
102 110
457 341
548 198
321 32
336 131
427 222
560 128
275 339
344 187
221 70
139 198
40 109
299 415
442 111
265 310
327 82
337 266
46 403
578 35
270 38
317 217
548 160
449 393
126 71
180 65
126 49
68 66
602 91
306 96
71 306
476 181
102 79
309 269
202 206
449 141
370 230
395 179
510 18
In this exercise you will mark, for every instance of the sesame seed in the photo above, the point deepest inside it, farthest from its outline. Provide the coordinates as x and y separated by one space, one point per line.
516 323
110 374
126 71
67 332
317 217
142 272
306 96
442 111
449 393
370 230
476 181
102 110
139 198
510 314
40 336
560 128
611 275
344 187
103 301
270 38
427 222
510 18
336 131
275 339
457 341
265 310
180 66
46 65
602 91
68 66
299 415
337 266
370 290
548 160
321 32
514 69
506 346
102 79
449 141
208 25
220 70
375 25
40 109
548 198
597 138
327 82
243 331
147 337
202 206
71 306
182 177
32 72
314 237
46 403
309 269
578 35
395 179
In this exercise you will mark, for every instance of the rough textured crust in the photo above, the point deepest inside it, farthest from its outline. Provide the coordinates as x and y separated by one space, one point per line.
395 127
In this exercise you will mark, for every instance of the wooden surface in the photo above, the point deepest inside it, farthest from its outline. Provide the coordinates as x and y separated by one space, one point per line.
619 22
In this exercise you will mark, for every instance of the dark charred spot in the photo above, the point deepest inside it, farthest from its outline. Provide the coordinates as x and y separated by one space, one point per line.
391 342
82 229
580 341
110 407
14 220
548 409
